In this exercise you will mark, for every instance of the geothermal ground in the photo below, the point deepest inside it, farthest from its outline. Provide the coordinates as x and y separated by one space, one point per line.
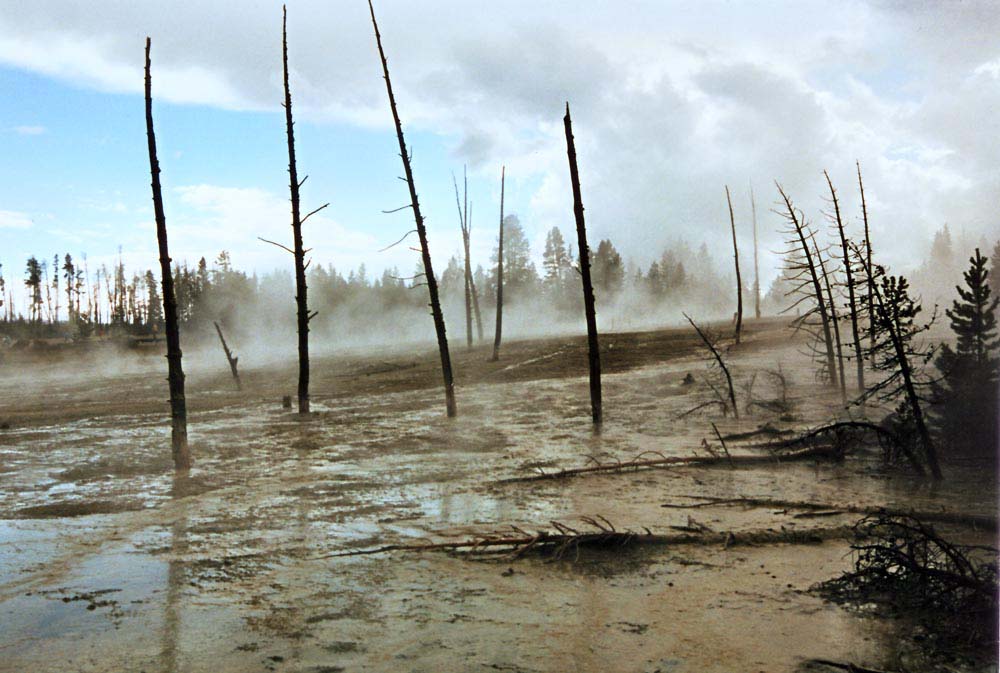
108 562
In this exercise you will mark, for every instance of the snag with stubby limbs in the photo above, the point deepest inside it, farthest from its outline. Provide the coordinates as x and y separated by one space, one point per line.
175 372
593 347
852 299
432 288
499 321
834 321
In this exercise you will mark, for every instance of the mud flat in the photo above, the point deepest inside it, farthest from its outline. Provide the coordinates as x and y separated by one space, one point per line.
108 562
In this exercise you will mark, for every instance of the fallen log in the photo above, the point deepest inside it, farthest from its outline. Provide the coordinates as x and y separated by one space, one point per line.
812 453
565 539
977 521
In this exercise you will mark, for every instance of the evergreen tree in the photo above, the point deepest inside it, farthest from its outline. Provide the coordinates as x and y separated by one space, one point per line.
966 395
555 258
608 270
33 281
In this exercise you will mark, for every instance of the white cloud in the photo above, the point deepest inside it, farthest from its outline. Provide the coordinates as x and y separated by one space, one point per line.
10 219
29 130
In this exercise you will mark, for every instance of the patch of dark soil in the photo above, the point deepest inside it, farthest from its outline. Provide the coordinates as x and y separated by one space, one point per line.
61 510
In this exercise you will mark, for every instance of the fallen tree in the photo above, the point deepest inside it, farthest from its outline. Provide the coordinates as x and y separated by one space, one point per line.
812 453
557 544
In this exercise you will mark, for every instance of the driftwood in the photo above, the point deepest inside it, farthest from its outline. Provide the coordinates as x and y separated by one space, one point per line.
812 453
977 521
563 540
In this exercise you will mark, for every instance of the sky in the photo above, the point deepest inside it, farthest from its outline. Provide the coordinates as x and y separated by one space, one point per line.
671 102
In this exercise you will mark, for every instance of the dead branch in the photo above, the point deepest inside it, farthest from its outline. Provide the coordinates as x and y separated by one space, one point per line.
718 358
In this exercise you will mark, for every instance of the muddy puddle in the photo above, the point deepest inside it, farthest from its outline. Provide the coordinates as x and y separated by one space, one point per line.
109 563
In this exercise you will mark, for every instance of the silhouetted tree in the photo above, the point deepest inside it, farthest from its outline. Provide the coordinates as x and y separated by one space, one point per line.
736 263
966 396
499 273
852 298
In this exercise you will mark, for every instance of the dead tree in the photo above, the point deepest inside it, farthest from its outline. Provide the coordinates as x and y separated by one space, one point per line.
230 358
834 320
868 248
471 296
593 347
852 300
710 345
893 331
736 262
432 288
303 316
807 268
756 265
175 372
499 320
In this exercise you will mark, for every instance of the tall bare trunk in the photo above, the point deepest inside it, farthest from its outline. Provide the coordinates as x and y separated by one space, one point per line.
175 372
471 295
499 320
593 347
736 262
834 321
851 297
432 288
868 254
756 264
817 289
301 302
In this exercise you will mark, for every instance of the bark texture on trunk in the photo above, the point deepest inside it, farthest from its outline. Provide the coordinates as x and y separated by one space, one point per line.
593 346
499 321
175 371
432 288
736 262
301 302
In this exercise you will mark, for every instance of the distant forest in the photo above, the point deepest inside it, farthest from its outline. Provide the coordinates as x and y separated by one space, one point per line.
65 298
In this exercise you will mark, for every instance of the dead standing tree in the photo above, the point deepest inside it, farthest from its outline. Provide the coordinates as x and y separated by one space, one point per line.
739 278
471 295
499 320
432 288
303 316
230 358
175 372
852 299
710 345
593 347
867 252
803 268
834 320
756 264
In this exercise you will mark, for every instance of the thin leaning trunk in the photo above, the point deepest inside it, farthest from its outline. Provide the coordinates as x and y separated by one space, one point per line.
432 288
851 298
230 358
593 347
471 295
868 255
499 321
756 264
817 290
834 322
739 278
175 372
301 303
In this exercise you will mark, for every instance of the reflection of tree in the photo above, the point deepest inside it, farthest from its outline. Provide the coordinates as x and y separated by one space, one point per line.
175 577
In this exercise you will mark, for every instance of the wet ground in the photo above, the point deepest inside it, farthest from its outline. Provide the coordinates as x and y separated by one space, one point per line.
109 562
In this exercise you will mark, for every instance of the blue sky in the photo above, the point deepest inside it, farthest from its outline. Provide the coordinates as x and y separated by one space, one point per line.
671 102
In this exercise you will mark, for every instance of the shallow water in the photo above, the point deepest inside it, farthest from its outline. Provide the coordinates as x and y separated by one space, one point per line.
225 571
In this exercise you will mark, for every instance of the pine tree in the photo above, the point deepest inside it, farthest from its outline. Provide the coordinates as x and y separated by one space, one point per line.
966 395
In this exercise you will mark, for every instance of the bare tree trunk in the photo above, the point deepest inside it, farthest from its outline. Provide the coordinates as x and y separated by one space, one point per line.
736 262
722 364
432 288
499 320
851 299
868 254
756 265
301 303
817 290
835 322
593 347
233 361
175 372
471 295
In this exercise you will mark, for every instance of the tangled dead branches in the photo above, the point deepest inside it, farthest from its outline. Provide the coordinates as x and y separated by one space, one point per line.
901 566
